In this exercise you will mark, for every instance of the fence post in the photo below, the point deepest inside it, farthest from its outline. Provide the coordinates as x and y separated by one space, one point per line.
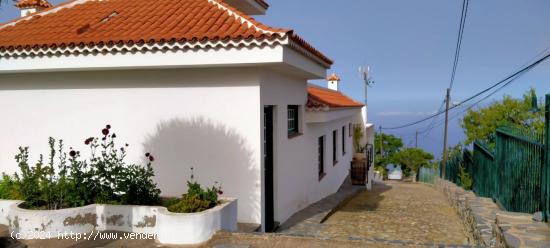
546 164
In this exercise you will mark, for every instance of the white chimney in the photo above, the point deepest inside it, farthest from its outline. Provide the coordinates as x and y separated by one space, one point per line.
28 7
333 81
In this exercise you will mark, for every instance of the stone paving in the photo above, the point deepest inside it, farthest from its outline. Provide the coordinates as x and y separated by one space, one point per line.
392 213
307 221
519 230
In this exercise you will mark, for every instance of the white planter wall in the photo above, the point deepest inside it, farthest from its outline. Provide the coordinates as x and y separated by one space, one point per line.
167 227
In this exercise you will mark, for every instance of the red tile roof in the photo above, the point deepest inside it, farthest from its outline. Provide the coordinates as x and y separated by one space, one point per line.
333 77
116 22
33 3
319 97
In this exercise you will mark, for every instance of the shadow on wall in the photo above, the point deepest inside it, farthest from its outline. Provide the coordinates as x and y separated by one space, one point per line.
217 154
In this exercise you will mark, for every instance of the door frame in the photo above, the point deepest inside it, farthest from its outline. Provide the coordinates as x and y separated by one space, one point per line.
268 173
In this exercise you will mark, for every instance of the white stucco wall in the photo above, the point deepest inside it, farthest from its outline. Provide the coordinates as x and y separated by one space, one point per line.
202 118
296 177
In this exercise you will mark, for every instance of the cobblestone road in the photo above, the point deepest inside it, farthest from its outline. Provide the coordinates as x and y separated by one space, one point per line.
396 212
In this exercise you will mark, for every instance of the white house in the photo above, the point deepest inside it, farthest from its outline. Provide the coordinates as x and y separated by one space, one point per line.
198 83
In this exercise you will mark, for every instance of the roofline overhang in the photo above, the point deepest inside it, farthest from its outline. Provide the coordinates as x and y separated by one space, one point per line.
275 54
328 116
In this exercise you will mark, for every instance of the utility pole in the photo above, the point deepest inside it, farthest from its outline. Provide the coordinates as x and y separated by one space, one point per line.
381 142
444 162
416 139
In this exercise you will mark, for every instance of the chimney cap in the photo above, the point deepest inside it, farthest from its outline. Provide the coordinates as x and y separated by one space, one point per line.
333 77
24 4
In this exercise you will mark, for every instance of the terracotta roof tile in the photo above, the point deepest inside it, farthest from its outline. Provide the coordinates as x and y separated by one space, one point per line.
88 22
333 77
318 96
33 3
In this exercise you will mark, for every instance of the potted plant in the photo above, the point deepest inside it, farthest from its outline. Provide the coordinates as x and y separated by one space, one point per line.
358 148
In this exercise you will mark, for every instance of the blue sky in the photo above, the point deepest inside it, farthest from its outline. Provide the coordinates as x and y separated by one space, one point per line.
409 46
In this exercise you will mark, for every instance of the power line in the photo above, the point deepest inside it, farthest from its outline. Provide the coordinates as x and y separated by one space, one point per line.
463 16
433 124
524 69
459 40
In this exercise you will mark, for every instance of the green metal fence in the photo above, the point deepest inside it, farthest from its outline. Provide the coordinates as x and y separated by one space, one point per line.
546 168
452 169
516 174
520 161
428 175
484 172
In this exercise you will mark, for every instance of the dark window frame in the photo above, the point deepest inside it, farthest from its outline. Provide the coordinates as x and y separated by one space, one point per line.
343 140
350 128
321 157
334 147
293 120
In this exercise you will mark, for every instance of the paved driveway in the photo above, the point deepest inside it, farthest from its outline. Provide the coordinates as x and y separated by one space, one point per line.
399 213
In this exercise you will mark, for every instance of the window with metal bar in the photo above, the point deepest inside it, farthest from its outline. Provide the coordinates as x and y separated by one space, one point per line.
343 140
321 157
334 143
292 120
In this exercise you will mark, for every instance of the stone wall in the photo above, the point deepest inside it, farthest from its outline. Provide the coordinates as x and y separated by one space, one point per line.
477 213
488 226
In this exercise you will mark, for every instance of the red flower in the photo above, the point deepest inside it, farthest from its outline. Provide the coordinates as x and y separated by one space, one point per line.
108 126
105 131
220 192
151 158
72 153
88 140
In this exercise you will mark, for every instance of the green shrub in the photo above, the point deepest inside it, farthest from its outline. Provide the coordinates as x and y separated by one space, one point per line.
190 204
69 181
9 188
196 199
465 179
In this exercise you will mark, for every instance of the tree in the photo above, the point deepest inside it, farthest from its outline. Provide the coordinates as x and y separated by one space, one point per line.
480 124
412 159
391 145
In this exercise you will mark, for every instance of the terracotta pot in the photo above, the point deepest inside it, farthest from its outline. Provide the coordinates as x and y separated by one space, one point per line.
359 156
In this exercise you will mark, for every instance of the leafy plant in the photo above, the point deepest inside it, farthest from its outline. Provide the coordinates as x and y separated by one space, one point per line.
412 159
357 135
197 198
74 182
390 145
465 179
9 188
480 124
